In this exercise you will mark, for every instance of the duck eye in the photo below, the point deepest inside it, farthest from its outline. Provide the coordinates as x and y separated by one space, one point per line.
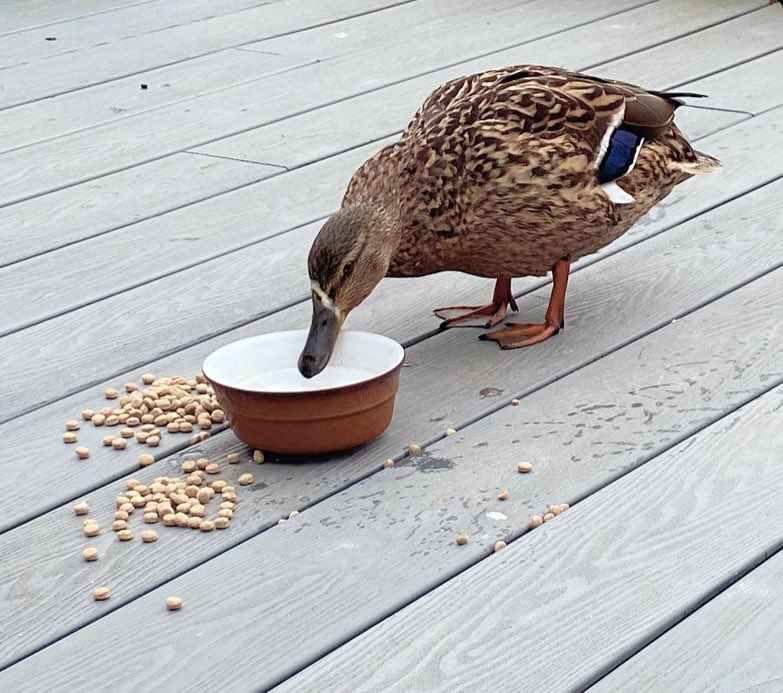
347 269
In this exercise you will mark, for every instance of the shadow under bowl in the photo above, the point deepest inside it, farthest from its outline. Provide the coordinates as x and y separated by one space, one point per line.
271 406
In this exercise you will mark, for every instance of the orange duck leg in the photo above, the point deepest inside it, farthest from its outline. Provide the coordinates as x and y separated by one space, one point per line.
502 298
516 335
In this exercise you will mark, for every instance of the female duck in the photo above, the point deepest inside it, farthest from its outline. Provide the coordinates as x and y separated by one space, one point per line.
501 174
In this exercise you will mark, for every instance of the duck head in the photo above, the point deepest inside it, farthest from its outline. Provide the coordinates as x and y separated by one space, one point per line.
348 258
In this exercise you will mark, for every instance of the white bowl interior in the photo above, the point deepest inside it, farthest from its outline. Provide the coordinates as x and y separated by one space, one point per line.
268 362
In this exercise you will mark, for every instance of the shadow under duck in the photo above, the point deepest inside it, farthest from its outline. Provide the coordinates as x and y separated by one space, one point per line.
506 173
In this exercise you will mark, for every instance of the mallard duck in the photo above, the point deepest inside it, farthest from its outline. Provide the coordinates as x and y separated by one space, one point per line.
507 173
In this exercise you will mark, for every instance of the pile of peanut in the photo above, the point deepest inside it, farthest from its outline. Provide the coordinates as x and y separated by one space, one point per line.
164 405
192 500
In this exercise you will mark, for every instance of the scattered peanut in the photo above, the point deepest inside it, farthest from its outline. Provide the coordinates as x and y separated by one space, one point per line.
118 525
82 453
108 441
222 522
462 539
81 508
500 545
536 521
514 402
503 495
548 517
206 526
119 443
72 425
414 449
153 441
90 554
69 437
148 378
258 456
151 518
388 463
524 467
188 466
173 603
101 594
126 432
91 529
245 479
232 457
145 459
451 431
148 536
125 535
87 414
110 393
194 522
212 468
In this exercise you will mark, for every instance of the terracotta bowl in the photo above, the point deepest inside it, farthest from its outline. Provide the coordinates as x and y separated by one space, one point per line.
272 407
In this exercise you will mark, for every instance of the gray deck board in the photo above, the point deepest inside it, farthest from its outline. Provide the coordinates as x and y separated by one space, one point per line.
658 295
108 27
141 229
596 583
140 53
127 197
124 250
390 538
100 150
733 643
123 98
86 352
384 111
36 13
382 311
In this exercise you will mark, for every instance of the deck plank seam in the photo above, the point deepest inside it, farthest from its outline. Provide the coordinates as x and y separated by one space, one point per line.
685 34
708 596
714 590
75 18
212 52
289 304
445 577
287 116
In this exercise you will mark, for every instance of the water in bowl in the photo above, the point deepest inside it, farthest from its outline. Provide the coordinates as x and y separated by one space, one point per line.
291 380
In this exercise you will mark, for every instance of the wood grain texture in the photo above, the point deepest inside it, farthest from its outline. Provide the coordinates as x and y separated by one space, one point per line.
109 27
34 13
672 391
33 170
181 238
606 577
346 562
117 100
733 643
752 96
386 110
99 206
283 210
76 349
25 83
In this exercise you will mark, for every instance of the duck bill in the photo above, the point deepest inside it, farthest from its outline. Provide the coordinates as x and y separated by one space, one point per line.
319 346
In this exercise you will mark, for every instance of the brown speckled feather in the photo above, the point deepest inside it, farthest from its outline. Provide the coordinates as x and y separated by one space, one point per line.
497 173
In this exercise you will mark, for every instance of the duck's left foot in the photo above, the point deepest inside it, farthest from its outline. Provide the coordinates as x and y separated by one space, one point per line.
516 335
495 311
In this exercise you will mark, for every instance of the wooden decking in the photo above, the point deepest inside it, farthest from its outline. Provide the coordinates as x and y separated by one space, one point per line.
165 165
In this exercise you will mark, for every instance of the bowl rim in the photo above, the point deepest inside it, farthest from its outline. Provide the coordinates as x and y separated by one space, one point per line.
304 393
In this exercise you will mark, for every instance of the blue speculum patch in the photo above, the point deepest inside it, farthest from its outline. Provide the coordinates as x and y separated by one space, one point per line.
620 155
